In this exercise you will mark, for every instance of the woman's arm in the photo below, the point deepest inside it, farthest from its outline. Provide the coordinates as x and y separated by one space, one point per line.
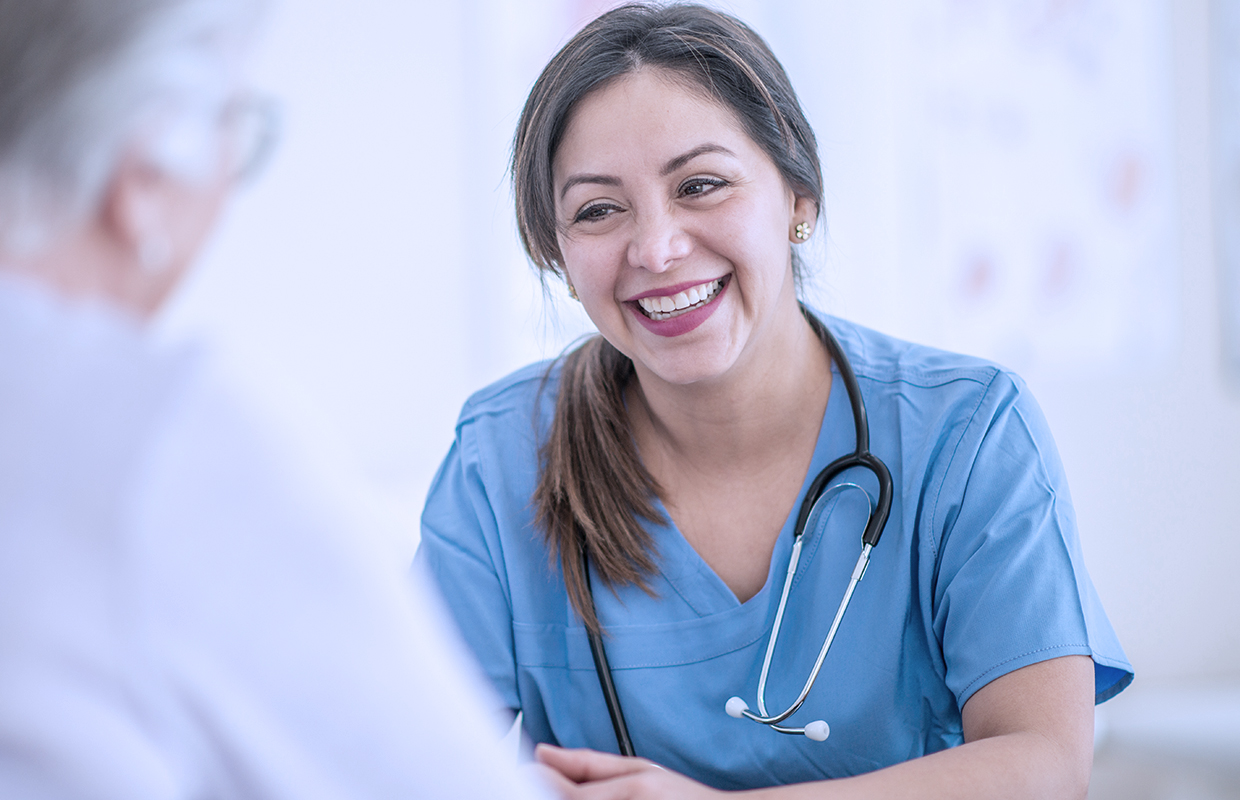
1028 734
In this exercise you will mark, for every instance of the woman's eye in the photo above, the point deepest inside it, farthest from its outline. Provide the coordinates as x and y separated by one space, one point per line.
699 186
595 212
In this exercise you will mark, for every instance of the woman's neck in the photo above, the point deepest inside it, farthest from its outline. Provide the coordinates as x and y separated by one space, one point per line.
751 415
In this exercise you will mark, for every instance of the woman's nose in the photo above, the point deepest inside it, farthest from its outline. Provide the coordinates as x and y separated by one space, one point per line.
658 242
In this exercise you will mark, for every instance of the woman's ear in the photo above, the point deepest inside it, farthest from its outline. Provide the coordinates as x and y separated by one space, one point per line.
804 216
805 210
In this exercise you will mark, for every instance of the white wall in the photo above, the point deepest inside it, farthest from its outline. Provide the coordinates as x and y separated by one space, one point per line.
1155 457
370 281
335 283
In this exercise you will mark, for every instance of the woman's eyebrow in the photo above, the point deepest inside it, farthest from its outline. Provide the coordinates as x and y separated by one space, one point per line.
668 168
604 180
702 149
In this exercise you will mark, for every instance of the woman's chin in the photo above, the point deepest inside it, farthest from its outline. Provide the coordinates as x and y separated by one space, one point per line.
691 366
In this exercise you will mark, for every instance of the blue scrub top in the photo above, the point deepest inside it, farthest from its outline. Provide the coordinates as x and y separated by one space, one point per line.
979 572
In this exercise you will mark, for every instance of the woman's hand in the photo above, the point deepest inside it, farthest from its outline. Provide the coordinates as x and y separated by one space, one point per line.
591 775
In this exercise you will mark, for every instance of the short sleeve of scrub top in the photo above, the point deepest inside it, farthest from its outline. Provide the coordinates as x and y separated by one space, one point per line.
979 572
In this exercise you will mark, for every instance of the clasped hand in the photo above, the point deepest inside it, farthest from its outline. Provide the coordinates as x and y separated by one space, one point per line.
591 775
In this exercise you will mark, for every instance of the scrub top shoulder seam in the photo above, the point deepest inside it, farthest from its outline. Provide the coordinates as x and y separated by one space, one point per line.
934 539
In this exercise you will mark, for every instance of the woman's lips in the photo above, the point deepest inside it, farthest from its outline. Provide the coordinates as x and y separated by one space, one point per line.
697 302
675 303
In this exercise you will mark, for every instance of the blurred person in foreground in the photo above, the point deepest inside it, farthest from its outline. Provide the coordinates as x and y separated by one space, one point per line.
185 611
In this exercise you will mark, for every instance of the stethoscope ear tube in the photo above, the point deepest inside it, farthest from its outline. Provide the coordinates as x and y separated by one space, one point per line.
603 669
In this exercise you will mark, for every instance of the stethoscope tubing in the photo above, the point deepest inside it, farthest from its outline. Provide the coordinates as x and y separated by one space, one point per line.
861 455
610 696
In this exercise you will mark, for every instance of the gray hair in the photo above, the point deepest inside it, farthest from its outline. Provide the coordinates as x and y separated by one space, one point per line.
83 82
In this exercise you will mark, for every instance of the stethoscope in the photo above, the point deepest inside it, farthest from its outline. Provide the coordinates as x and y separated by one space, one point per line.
818 730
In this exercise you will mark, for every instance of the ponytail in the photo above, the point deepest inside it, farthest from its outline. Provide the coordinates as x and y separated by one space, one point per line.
593 489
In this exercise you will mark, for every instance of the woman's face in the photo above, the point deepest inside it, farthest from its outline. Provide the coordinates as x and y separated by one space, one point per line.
676 228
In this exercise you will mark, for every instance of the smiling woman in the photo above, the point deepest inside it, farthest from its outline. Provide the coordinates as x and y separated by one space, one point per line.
651 196
719 442
664 192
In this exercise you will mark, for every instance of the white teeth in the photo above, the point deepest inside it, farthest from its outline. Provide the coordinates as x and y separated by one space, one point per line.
661 308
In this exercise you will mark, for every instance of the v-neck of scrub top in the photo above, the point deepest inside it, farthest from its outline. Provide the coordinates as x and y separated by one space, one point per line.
697 584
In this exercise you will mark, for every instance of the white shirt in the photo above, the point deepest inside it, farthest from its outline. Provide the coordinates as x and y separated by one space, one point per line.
184 613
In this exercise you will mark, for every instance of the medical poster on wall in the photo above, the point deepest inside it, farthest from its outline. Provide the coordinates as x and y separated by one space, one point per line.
1225 116
1037 214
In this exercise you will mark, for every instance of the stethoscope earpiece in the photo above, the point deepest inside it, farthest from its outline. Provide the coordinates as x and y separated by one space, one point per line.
818 730
736 707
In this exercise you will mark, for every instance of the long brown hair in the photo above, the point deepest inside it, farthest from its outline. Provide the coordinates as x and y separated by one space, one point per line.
593 490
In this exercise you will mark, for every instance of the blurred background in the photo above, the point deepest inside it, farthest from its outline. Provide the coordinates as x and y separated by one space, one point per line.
1053 184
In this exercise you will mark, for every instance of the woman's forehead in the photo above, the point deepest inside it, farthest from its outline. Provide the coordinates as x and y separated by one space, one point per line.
649 114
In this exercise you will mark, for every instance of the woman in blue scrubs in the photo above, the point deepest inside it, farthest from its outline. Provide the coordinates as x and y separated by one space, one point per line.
664 169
